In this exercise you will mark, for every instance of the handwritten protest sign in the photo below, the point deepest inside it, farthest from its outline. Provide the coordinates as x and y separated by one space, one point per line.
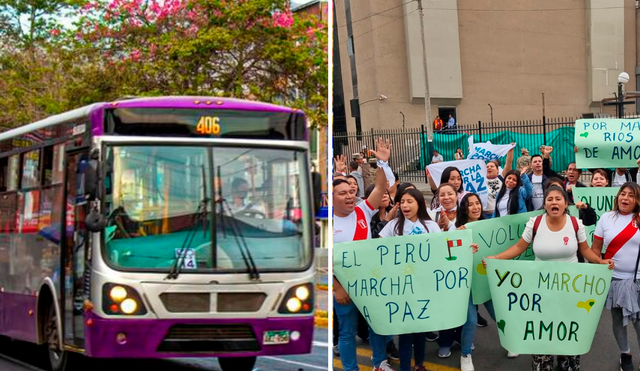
599 198
487 151
607 143
474 175
547 307
494 236
408 284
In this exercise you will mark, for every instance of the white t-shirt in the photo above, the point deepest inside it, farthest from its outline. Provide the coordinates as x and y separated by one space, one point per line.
494 187
410 228
503 206
618 180
560 246
344 228
617 228
537 197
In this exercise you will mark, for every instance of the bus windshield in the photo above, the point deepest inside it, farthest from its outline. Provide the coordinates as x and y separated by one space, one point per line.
207 204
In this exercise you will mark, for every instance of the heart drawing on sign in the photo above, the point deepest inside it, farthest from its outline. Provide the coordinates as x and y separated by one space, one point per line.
585 134
586 305
501 325
481 269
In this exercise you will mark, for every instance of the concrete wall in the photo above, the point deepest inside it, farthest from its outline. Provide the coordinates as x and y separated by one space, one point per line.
510 54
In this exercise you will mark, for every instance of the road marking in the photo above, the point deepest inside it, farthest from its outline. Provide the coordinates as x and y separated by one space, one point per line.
20 363
320 344
296 363
367 354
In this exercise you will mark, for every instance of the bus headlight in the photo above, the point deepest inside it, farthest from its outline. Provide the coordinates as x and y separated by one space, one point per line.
302 293
118 294
298 300
129 306
121 300
294 305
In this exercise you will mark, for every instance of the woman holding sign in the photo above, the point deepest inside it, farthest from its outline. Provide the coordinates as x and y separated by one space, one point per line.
617 230
555 238
413 219
450 175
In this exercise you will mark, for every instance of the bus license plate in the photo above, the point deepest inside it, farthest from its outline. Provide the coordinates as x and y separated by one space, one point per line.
276 337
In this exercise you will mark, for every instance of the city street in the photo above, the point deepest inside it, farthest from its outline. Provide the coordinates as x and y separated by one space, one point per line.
490 356
23 357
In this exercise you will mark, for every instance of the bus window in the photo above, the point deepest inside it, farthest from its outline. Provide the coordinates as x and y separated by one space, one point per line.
12 178
30 169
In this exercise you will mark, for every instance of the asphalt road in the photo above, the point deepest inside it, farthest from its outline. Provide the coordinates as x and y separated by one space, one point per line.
490 356
18 356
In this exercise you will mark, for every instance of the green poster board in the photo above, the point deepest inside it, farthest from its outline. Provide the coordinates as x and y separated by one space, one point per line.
494 236
599 198
408 284
607 143
547 307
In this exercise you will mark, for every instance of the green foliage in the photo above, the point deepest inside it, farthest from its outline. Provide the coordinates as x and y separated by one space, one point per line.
250 49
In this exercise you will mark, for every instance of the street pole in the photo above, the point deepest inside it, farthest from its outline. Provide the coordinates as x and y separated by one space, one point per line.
427 99
491 113
402 120
620 101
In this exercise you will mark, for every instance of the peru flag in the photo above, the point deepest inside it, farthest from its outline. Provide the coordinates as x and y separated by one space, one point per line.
454 243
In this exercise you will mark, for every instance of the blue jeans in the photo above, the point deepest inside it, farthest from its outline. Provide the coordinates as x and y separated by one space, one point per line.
348 327
418 341
463 334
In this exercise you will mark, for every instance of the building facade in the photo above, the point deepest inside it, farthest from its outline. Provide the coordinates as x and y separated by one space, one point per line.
486 60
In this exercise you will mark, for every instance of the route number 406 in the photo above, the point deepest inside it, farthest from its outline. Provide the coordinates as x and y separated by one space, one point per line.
208 125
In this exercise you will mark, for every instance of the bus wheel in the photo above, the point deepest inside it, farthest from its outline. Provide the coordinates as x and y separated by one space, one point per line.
57 357
237 363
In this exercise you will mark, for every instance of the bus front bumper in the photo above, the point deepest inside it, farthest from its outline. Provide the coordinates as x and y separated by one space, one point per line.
175 338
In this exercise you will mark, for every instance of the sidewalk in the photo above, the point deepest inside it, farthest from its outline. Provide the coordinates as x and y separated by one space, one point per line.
321 289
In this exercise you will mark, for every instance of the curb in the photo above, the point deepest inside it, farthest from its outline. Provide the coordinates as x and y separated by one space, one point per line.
321 318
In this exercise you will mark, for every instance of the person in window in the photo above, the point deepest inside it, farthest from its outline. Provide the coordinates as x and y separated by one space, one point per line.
239 199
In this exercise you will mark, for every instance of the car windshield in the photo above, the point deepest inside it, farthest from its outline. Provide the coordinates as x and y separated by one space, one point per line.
213 206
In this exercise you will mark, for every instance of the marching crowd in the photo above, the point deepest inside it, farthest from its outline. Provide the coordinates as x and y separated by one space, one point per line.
369 201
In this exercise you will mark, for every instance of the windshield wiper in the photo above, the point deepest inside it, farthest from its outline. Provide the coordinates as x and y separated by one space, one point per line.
252 269
199 217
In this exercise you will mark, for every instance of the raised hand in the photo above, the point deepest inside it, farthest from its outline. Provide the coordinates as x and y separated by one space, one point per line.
393 212
383 149
443 223
524 170
341 163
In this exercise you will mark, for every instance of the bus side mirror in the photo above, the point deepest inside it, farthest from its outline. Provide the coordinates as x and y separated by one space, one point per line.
95 222
91 180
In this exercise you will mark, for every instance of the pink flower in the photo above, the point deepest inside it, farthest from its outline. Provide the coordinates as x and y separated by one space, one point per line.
283 19
54 32
135 55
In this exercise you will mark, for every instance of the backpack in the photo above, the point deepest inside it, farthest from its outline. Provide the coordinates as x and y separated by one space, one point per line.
574 221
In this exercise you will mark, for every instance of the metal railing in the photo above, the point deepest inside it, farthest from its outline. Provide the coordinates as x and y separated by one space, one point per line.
411 151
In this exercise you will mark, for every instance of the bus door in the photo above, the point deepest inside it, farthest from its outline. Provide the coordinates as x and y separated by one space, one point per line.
76 250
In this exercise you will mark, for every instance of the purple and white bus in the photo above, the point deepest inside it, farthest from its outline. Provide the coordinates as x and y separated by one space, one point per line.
159 227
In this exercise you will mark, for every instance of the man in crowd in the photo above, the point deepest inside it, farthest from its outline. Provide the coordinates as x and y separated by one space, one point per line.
524 160
351 223
539 181
437 157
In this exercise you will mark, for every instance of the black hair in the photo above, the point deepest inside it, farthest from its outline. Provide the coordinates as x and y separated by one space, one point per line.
236 182
337 182
401 189
514 193
552 180
576 165
422 212
534 156
353 165
446 174
555 188
462 217
395 175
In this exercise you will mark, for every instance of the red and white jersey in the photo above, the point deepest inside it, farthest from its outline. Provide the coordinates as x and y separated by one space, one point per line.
355 226
621 239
